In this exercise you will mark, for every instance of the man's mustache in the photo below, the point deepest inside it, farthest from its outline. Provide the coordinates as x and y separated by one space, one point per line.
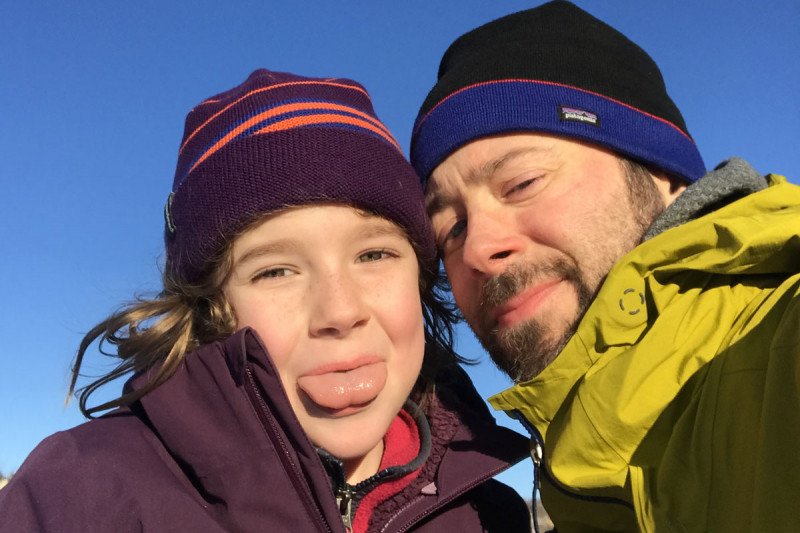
500 288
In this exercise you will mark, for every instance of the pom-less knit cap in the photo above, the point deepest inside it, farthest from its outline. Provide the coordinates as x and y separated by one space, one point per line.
553 69
280 140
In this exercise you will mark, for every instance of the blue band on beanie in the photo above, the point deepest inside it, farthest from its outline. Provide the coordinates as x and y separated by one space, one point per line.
506 106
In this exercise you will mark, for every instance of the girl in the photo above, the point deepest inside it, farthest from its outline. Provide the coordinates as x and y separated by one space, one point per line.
297 371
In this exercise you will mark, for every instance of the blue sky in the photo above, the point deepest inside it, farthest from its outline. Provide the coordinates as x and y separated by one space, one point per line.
92 101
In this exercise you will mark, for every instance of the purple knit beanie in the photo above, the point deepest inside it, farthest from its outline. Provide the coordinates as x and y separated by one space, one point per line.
280 140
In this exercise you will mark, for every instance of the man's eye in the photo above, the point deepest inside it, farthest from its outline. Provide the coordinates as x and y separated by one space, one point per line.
457 229
373 255
520 186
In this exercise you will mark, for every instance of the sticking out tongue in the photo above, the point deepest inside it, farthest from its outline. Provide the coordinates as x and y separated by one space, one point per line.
337 390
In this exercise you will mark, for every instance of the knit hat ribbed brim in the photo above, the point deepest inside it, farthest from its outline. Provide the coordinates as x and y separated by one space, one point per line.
553 69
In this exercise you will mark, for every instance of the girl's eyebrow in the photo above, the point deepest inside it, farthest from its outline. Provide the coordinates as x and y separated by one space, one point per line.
274 247
380 228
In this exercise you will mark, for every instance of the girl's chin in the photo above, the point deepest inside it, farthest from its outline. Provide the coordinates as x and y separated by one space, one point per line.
349 451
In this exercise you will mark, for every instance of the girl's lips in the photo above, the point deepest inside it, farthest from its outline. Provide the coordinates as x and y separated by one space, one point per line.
524 305
346 390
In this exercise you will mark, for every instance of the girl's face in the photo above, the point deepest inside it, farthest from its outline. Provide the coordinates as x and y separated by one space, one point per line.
334 295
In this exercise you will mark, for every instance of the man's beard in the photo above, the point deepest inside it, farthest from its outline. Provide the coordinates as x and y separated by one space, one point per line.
524 350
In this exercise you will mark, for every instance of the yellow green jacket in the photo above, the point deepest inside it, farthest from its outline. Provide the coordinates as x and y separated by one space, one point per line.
676 404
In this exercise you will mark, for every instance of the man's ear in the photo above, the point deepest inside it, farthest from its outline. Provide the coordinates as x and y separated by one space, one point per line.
670 187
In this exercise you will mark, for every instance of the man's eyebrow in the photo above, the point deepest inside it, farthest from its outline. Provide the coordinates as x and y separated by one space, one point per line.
436 200
484 172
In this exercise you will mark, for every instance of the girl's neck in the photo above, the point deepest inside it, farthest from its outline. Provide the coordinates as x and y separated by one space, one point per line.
360 468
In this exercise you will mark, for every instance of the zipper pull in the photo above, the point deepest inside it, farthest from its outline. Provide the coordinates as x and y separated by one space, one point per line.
536 454
344 499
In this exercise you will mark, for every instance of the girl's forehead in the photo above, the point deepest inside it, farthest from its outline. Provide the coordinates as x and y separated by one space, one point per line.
315 220
327 212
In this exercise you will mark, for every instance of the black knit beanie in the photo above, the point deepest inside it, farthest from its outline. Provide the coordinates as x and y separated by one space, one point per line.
553 69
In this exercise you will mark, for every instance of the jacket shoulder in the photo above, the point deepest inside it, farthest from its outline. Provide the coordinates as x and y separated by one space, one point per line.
74 479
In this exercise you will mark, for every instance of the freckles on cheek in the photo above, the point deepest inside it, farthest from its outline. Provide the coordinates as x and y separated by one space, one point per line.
261 316
404 314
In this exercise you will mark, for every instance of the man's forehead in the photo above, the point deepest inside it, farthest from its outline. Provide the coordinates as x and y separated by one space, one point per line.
476 162
473 164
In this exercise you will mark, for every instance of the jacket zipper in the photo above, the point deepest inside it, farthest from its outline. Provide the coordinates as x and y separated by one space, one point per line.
269 426
344 500
536 454
348 496
540 469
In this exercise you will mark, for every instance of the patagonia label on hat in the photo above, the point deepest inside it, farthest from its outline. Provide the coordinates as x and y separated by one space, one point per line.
573 114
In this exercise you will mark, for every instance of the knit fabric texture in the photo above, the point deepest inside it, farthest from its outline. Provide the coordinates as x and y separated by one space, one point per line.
280 140
729 181
553 69
401 446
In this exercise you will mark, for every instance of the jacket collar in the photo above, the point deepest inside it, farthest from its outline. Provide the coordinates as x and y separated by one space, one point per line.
231 449
206 418
729 181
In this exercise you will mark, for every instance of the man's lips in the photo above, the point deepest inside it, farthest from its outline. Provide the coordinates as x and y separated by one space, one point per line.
524 305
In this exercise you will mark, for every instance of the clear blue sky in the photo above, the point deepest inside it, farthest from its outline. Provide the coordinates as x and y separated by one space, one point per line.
92 101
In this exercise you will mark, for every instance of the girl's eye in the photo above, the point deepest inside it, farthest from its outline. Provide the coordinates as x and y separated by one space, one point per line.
372 255
274 273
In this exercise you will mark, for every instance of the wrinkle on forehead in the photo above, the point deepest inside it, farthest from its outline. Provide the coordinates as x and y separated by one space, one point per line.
482 174
437 198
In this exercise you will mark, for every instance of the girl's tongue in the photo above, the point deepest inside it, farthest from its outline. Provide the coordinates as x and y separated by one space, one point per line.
338 390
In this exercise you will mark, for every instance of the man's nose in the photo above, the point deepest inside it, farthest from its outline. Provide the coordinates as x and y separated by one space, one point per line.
338 306
491 243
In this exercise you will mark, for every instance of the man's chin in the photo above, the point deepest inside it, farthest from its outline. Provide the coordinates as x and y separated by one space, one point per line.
522 352
525 349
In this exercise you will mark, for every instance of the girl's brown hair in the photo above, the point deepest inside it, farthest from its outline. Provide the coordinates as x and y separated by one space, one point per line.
158 332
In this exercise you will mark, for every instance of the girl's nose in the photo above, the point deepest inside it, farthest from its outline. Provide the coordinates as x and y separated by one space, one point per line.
338 306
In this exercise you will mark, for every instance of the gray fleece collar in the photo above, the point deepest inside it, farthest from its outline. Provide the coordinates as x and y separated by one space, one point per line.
729 181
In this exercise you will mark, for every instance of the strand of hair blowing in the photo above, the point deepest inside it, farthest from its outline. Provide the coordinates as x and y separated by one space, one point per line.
153 333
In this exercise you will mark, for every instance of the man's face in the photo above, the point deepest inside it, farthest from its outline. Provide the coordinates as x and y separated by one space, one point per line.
528 226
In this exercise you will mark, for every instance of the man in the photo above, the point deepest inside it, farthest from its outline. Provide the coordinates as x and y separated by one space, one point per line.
648 311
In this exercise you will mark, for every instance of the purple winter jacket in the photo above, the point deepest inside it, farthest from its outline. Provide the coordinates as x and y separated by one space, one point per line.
217 448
